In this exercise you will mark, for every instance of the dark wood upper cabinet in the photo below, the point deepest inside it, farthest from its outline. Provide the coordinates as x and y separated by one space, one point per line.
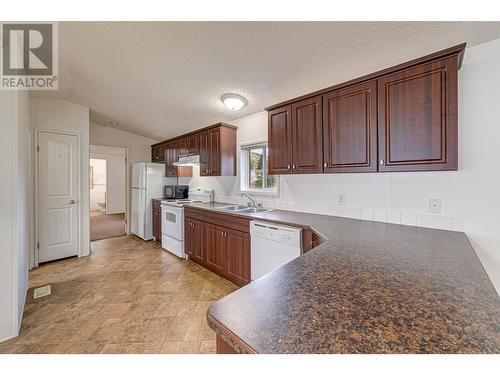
280 140
171 153
183 146
417 118
215 144
402 118
193 143
204 154
215 152
307 155
350 129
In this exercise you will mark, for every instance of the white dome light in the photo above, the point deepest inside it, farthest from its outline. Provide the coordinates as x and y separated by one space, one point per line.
234 101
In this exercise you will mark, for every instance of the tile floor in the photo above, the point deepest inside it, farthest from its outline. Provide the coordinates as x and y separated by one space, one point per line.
129 296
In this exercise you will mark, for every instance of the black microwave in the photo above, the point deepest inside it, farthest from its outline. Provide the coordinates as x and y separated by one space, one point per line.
176 191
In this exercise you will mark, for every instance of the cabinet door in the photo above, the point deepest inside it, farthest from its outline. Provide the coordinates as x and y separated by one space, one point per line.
237 257
350 129
307 155
280 140
155 154
214 149
204 154
193 143
214 248
189 237
195 240
183 146
417 118
156 224
170 157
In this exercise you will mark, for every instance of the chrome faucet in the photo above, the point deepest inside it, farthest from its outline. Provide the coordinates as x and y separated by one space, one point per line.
253 201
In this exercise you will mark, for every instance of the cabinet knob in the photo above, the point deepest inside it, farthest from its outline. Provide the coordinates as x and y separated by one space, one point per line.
288 166
325 164
381 161
293 166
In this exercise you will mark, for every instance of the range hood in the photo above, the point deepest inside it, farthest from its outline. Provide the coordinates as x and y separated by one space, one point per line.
187 160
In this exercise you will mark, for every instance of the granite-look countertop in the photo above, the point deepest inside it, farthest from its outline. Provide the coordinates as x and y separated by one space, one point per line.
369 288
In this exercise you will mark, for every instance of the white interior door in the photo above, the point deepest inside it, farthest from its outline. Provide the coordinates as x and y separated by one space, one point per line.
58 196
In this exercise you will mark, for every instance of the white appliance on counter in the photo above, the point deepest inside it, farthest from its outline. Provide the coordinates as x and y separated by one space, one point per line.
146 184
172 219
272 246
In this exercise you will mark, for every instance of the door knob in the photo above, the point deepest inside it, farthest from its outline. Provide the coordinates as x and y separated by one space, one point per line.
72 202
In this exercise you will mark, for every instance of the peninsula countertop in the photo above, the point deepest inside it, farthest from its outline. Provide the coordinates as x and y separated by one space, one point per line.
369 288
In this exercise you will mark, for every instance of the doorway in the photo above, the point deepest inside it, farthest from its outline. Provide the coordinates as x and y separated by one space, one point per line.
107 185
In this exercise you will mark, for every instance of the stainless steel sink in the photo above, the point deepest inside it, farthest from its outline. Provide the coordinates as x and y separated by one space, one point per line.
242 209
232 208
253 210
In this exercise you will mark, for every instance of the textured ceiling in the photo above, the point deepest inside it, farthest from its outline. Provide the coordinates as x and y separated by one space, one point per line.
161 79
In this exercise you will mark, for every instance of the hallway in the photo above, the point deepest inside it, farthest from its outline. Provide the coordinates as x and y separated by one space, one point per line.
106 226
129 296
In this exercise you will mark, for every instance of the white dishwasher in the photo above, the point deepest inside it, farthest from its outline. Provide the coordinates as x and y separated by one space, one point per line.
272 246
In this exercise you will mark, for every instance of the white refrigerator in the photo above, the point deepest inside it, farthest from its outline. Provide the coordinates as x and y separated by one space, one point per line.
147 183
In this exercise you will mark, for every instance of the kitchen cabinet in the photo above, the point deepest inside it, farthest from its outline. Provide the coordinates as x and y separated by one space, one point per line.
295 138
158 153
402 118
216 145
237 256
183 146
280 140
157 220
218 152
193 143
307 155
350 129
226 241
171 154
194 239
214 245
417 118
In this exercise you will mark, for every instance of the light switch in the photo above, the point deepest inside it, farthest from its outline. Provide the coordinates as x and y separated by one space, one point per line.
435 205
341 199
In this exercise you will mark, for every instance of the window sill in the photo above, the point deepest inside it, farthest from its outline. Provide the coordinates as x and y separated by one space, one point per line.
268 193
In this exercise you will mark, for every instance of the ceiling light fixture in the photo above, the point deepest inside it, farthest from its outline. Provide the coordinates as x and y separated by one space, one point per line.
234 101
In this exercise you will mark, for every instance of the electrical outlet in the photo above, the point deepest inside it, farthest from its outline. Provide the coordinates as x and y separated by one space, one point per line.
435 205
341 200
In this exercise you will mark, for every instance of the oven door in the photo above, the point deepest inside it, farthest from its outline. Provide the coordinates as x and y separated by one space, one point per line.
172 221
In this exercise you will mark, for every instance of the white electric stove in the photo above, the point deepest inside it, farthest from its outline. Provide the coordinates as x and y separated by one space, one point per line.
172 222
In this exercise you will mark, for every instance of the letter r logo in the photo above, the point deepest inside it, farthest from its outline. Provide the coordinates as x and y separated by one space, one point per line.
27 49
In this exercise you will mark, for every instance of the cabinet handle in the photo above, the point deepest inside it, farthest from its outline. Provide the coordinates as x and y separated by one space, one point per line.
381 161
293 166
288 166
325 164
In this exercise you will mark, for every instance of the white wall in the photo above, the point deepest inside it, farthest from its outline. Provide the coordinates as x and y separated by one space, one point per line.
470 197
14 202
66 117
138 148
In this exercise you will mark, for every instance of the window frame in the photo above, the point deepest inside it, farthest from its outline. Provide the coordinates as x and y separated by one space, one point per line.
245 171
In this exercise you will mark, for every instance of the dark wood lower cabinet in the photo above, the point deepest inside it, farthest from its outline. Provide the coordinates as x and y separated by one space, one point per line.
223 347
223 250
157 220
236 250
195 240
214 245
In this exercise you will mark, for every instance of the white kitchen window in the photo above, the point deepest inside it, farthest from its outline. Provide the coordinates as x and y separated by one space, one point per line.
254 171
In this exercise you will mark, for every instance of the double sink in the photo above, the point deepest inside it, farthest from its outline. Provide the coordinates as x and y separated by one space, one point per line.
242 209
